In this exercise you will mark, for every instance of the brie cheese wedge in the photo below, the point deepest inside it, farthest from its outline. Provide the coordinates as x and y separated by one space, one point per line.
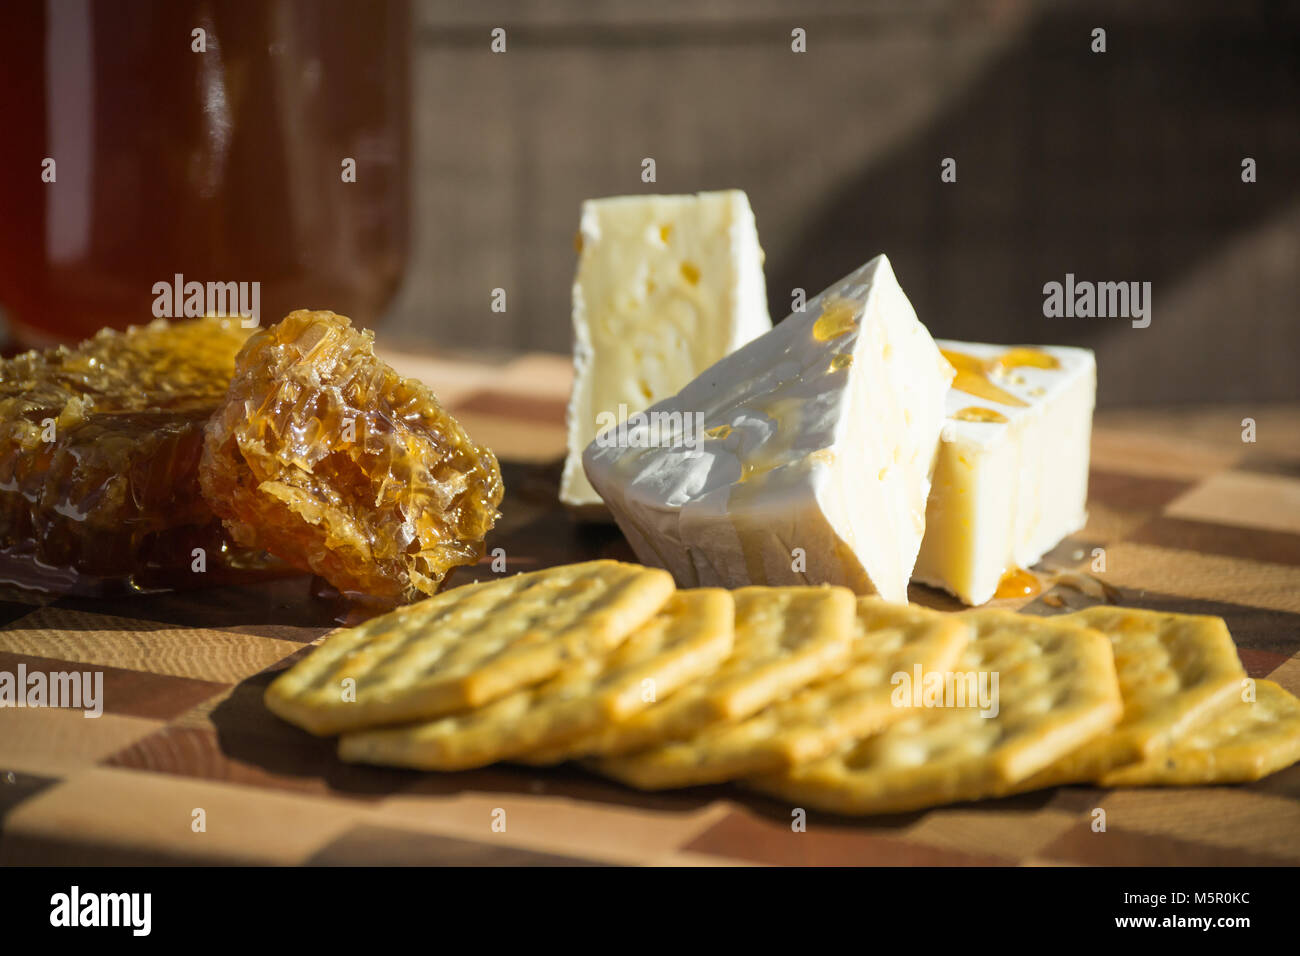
666 286
803 457
1012 476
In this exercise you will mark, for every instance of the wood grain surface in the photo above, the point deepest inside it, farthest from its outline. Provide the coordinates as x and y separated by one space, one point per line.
1190 517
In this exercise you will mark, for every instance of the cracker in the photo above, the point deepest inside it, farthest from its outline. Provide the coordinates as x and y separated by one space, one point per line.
786 637
1056 687
689 637
1244 741
468 646
888 639
1174 671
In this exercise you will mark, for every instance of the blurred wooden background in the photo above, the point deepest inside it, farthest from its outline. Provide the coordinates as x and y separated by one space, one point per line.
1119 166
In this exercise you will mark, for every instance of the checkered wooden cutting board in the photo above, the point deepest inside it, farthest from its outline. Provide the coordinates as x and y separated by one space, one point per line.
1191 519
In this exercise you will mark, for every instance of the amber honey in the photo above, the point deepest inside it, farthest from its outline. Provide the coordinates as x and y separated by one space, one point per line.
99 456
223 165
324 456
1017 583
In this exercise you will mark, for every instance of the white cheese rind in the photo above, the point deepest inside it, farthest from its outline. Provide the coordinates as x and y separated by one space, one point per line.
1004 494
818 470
665 286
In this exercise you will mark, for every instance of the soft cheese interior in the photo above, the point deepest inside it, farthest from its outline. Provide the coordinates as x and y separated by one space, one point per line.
666 286
1012 476
816 445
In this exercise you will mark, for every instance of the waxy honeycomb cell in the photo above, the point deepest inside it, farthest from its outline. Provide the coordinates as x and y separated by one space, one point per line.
99 453
322 455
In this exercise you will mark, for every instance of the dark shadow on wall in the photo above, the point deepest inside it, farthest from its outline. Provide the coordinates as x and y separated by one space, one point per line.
1117 166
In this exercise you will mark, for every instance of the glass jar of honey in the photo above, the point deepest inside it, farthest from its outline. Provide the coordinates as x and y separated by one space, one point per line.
249 152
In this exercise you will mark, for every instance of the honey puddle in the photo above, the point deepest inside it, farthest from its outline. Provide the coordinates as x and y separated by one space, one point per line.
1017 583
1020 583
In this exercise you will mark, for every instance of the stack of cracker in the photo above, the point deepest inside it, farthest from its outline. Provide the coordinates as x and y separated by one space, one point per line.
810 694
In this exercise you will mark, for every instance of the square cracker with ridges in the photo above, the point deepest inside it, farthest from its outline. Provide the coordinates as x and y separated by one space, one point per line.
1056 689
786 638
1244 741
686 639
467 646
888 639
1174 671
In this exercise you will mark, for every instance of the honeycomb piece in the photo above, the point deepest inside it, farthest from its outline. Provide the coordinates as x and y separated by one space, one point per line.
325 457
100 448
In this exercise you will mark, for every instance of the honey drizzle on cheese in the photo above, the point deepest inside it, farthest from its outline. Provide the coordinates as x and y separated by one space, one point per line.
837 318
978 413
784 414
975 375
973 378
1028 358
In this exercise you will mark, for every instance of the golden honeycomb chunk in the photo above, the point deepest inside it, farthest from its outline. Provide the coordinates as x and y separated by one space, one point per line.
324 456
99 453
